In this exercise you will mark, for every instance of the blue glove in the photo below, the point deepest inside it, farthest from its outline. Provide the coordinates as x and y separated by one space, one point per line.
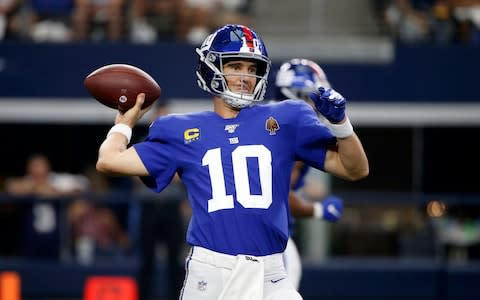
330 104
332 208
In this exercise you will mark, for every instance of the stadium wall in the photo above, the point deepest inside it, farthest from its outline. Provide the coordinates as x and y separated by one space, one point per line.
379 279
416 73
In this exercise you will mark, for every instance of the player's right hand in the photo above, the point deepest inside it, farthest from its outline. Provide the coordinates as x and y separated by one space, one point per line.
131 116
330 104
332 208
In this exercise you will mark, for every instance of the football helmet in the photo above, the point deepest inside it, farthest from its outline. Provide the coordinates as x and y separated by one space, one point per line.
297 78
227 43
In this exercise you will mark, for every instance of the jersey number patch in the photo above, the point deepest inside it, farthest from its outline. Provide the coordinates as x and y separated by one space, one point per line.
220 199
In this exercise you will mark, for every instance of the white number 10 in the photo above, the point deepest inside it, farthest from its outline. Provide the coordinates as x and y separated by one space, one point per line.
220 199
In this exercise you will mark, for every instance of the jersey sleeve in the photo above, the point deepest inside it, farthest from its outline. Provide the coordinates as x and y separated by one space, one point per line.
313 138
157 153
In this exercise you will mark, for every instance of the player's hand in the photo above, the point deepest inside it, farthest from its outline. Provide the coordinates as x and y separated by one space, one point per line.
332 208
330 104
131 116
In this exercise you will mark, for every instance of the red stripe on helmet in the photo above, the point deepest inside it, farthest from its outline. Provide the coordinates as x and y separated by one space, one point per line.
249 38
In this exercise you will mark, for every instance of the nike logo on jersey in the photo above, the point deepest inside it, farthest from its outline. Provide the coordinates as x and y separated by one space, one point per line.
276 280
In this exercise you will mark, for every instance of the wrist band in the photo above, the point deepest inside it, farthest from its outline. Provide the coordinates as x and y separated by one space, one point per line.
318 210
342 130
122 129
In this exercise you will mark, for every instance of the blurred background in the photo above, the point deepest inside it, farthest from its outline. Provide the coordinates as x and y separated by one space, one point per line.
409 70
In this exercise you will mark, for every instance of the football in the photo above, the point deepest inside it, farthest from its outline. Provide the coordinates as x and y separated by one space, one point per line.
117 86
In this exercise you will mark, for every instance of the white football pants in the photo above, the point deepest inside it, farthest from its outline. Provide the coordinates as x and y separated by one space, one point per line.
293 264
215 276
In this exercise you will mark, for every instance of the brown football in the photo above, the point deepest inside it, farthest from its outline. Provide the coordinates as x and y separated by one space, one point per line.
118 85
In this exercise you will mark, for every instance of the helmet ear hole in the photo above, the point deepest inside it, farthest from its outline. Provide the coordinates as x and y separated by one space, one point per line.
232 42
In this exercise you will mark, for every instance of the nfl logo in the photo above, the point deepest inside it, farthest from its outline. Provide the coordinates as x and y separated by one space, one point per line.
202 286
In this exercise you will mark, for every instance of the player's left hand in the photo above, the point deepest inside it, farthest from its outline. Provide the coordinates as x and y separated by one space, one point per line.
332 208
330 104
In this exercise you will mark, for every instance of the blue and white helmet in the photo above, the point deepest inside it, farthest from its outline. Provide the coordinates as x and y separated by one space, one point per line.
227 43
297 78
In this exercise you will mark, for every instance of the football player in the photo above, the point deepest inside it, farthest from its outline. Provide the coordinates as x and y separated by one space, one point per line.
296 79
236 162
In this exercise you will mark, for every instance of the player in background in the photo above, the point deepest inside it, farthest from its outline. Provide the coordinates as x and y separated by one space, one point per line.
296 79
236 163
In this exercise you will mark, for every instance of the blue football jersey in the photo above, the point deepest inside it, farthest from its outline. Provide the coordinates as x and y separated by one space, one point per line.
300 182
237 171
296 186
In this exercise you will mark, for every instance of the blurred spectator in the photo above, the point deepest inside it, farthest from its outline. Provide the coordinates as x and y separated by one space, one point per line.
417 21
103 184
154 19
408 22
162 221
98 20
50 20
99 183
380 12
458 231
36 181
10 23
39 180
95 231
200 17
443 25
467 17
416 233
41 228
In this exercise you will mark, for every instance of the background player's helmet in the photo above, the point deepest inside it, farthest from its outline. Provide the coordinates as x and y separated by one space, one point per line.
227 43
297 78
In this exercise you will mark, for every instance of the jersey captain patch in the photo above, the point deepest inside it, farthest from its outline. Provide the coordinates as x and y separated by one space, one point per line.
191 135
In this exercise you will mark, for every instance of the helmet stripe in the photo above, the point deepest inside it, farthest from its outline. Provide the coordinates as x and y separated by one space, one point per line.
249 38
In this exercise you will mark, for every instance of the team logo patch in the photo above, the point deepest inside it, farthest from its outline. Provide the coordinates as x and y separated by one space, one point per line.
202 285
230 128
271 125
191 135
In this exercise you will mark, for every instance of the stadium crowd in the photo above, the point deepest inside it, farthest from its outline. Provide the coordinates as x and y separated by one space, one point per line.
147 21
430 21
139 21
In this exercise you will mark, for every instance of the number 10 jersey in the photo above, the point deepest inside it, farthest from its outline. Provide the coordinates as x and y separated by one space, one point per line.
236 171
